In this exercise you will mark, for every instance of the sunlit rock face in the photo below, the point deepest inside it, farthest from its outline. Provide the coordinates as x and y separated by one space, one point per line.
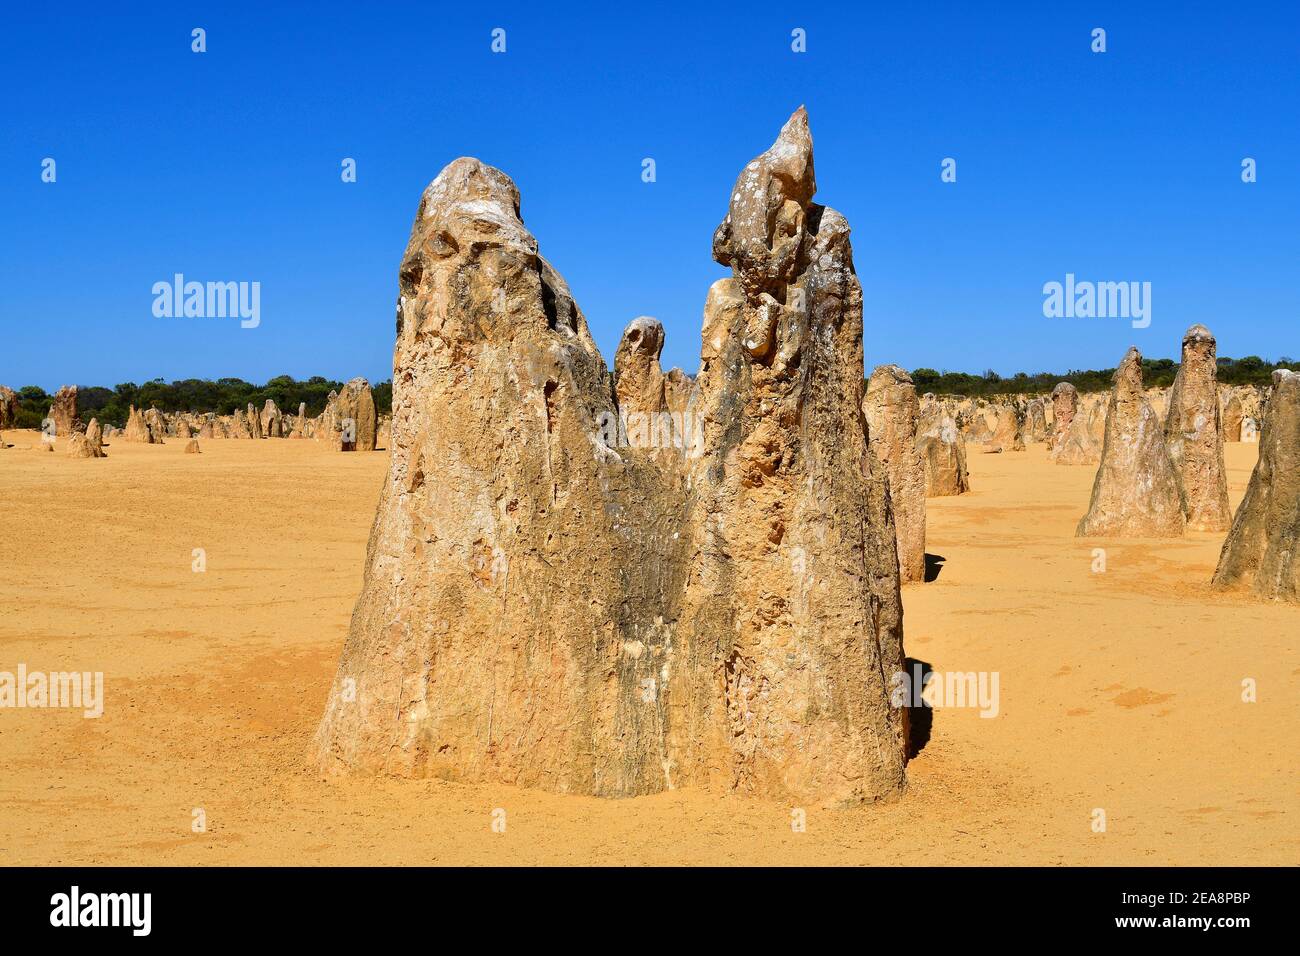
546 604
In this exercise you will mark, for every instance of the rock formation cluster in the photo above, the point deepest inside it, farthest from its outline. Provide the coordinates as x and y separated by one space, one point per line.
549 607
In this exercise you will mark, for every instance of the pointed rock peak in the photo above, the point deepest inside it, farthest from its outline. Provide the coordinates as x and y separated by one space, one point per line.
791 158
766 217
1128 377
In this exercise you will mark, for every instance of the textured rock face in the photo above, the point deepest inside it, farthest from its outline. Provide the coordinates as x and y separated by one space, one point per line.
355 410
793 591
545 609
1035 426
326 423
78 447
1136 492
254 421
95 438
892 411
63 411
1194 437
1006 430
1231 417
136 429
1262 551
300 422
638 379
1065 404
192 447
1073 439
1097 413
8 407
153 419
652 405
272 420
943 452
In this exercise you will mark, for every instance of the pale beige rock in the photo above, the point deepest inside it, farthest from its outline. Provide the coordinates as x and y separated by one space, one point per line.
300 423
63 411
272 420
1231 417
1136 492
1262 551
544 609
1193 434
943 451
793 514
254 421
355 411
81 447
95 438
1035 427
8 407
892 410
1006 434
192 447
137 430
154 421
1065 405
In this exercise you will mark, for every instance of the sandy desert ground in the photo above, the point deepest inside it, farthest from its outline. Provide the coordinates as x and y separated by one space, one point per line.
1119 690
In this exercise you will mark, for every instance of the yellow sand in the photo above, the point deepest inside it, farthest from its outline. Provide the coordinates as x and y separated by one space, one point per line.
1118 690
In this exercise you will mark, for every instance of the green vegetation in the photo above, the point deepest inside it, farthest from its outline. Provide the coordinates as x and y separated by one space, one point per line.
1156 373
112 405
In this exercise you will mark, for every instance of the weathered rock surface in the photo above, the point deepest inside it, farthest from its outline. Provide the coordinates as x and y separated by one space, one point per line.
136 428
79 446
1065 404
192 447
300 423
1006 430
943 452
1231 417
8 407
272 420
1262 551
544 609
355 410
63 411
892 413
1035 425
1136 492
254 421
95 438
156 424
1073 441
1194 437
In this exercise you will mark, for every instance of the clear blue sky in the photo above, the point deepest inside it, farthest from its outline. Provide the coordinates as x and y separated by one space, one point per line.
225 166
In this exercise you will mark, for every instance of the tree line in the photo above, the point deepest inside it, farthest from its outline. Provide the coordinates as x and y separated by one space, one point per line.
1156 373
112 406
